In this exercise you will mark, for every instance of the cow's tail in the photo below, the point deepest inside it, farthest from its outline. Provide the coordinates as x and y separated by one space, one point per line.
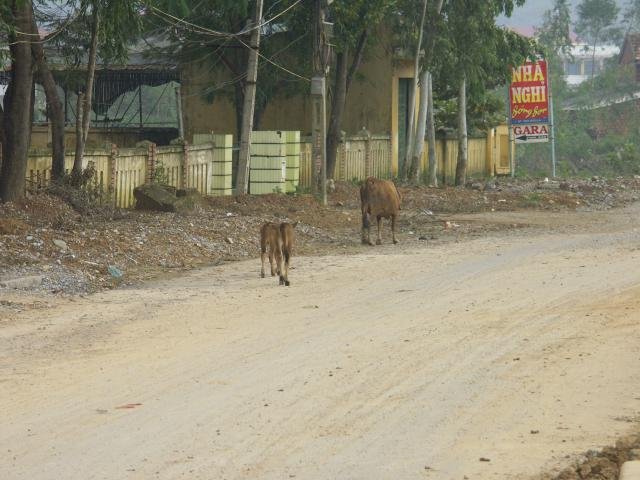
399 197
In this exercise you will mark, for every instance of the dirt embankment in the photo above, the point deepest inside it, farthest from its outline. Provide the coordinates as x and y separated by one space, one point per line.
62 252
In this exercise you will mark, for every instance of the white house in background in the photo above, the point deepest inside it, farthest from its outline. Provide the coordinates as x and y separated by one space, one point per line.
579 63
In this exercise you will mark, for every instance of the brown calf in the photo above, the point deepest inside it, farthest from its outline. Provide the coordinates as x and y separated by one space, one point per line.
381 199
279 238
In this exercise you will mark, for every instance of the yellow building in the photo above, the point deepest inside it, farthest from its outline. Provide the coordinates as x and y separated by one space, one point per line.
377 102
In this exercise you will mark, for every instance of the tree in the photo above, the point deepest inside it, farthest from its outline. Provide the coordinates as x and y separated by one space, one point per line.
354 22
425 116
475 54
111 26
596 20
207 37
554 35
18 100
554 39
244 161
54 104
631 16
412 97
83 107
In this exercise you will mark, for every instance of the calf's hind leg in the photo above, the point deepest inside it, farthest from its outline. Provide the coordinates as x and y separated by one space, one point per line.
263 254
379 239
366 240
393 228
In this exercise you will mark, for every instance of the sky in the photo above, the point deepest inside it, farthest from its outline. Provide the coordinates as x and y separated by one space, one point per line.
531 13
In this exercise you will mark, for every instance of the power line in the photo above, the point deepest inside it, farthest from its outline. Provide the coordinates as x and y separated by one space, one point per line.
208 31
276 64
48 37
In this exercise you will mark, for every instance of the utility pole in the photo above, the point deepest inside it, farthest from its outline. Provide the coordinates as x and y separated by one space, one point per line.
510 133
552 127
244 159
319 100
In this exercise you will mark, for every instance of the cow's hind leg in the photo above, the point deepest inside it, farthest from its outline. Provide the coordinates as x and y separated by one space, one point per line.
281 267
379 239
393 228
366 240
284 276
272 262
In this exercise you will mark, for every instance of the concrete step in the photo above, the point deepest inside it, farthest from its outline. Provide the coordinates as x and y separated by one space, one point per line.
630 470
21 283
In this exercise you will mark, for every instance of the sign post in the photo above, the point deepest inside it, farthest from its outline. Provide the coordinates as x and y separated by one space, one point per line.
531 118
553 132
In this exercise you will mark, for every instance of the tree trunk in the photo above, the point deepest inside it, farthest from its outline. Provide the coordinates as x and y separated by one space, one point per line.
418 148
18 107
412 96
461 166
238 105
81 140
427 86
54 106
242 183
3 140
337 111
431 136
79 108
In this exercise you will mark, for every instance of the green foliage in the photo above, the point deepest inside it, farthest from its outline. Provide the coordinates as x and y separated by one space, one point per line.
193 40
470 44
596 19
160 174
302 190
554 36
554 41
631 16
485 110
532 199
351 17
597 135
120 25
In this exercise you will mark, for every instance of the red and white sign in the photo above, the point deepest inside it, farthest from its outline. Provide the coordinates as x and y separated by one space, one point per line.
529 94
535 133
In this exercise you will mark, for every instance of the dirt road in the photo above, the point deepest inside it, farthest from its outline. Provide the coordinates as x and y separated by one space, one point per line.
522 349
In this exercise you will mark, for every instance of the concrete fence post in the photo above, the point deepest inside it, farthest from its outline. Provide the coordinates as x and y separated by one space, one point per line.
445 161
113 168
630 470
151 162
342 157
368 160
184 174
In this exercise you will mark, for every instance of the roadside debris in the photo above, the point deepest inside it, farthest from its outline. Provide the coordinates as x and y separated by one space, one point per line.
43 237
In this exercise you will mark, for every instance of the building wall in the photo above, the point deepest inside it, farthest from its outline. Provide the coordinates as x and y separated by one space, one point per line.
200 115
368 103
123 137
630 49
580 64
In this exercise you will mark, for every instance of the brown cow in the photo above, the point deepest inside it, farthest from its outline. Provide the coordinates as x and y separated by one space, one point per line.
381 199
270 237
287 235
279 238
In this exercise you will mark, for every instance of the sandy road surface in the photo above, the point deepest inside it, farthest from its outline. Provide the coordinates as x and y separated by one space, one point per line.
382 366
